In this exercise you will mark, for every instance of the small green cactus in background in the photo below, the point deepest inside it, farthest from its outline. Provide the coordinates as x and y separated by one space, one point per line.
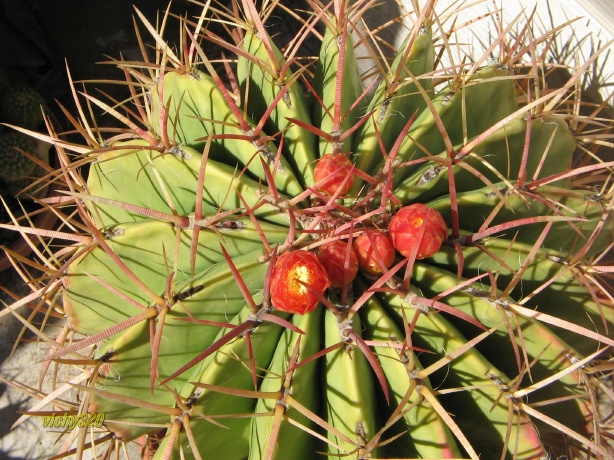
21 105
269 259
21 108
14 165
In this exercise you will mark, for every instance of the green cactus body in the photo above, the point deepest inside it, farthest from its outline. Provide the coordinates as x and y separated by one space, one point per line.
497 158
197 109
167 181
466 107
334 76
474 352
397 97
266 86
291 438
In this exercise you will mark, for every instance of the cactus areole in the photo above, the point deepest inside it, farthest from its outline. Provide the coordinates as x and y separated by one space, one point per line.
275 256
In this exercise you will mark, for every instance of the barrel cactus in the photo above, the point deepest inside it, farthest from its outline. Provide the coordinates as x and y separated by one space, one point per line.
274 258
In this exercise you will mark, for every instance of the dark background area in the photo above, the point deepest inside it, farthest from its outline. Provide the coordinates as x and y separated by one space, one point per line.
40 38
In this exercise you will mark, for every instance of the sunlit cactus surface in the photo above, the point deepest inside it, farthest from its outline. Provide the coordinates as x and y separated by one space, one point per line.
280 255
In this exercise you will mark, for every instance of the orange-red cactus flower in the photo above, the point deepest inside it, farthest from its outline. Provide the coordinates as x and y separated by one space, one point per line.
293 273
333 258
365 246
405 227
335 167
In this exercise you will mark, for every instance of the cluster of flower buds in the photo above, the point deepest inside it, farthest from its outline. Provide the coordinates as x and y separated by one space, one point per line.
301 277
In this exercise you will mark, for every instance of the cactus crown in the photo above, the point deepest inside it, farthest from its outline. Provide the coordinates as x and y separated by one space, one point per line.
465 309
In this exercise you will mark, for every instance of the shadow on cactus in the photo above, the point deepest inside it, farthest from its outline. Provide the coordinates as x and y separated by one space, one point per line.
272 258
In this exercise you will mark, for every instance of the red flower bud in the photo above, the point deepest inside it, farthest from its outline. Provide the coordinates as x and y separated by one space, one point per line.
405 227
335 167
368 246
297 278
333 257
